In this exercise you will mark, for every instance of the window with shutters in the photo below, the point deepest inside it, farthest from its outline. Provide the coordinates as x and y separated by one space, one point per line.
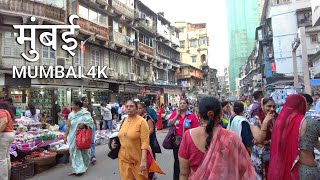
48 52
95 58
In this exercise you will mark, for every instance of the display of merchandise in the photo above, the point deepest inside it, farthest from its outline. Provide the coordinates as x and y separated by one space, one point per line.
99 97
62 97
42 98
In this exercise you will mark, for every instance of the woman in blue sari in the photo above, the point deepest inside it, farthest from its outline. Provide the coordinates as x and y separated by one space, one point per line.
78 119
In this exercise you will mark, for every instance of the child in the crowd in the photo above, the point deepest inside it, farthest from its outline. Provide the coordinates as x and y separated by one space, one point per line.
115 119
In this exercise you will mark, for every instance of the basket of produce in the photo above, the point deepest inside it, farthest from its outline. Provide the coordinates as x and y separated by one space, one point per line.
22 170
42 158
47 137
59 148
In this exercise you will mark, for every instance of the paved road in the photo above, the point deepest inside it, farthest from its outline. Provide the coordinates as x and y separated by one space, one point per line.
106 168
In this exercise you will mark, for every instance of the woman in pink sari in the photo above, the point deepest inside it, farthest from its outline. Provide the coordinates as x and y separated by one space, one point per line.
294 138
211 152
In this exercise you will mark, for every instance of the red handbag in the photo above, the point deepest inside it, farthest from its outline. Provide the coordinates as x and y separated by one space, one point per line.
83 139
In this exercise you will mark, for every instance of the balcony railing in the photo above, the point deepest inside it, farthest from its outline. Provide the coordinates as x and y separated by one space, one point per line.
26 7
91 27
175 40
144 25
102 2
145 49
203 32
124 9
123 40
163 31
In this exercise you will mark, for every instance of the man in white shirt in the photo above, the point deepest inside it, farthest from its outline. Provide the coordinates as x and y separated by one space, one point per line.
106 115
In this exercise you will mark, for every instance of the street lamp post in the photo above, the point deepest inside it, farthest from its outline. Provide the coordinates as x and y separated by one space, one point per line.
82 58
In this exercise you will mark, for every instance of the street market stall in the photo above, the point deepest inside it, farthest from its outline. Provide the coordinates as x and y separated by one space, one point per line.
35 149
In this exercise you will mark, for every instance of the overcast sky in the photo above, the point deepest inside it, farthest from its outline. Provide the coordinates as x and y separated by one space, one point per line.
200 11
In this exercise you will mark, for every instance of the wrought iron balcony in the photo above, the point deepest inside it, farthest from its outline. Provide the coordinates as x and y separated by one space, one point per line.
27 8
145 49
123 9
123 40
92 28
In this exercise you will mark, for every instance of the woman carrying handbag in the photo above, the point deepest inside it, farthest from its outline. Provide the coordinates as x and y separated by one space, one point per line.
80 121
135 160
183 120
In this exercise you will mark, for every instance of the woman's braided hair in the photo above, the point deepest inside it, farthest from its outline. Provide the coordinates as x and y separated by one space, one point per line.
209 109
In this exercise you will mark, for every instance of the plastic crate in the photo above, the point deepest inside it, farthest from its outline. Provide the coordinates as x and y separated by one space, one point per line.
23 171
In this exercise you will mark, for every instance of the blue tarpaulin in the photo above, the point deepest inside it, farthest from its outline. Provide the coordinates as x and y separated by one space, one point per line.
315 82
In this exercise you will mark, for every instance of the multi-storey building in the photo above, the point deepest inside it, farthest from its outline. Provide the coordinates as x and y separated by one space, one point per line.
190 78
167 58
114 33
272 55
17 12
243 18
315 59
194 42
210 82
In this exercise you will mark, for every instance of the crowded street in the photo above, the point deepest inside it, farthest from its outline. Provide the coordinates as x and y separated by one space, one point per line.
106 168
167 89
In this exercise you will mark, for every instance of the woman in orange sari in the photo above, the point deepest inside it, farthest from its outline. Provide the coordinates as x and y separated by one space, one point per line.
211 152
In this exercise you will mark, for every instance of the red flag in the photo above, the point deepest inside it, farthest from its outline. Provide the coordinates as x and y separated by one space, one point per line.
273 67
83 48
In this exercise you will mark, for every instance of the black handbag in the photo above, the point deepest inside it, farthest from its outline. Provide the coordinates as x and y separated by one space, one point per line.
114 153
156 146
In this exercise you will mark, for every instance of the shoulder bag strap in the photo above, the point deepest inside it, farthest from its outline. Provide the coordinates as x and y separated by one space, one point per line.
183 128
122 123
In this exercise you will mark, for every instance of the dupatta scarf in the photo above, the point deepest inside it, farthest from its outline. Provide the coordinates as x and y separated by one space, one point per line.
227 158
285 139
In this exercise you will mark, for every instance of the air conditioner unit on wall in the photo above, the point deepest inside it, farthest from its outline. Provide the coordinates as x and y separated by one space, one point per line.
132 77
61 62
124 77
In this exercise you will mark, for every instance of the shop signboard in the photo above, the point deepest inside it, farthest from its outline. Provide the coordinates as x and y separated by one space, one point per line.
152 90
21 83
172 91
130 89
71 82
97 84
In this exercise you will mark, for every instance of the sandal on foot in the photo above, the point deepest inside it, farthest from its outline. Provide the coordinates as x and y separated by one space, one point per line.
93 161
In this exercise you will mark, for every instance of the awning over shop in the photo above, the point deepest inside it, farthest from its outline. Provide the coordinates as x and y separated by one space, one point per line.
315 82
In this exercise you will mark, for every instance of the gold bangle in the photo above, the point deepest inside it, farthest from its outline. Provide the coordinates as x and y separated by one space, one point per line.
264 130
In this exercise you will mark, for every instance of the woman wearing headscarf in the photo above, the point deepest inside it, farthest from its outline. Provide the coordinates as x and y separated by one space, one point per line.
210 152
6 138
294 138
78 119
